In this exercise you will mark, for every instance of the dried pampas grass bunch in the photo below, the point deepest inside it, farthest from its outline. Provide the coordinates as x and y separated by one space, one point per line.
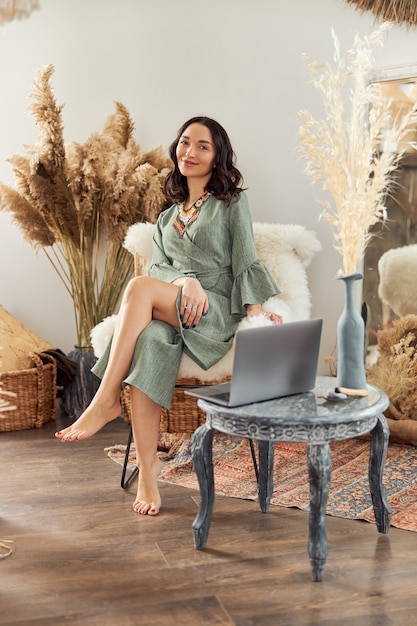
77 201
396 369
343 151
398 11
16 9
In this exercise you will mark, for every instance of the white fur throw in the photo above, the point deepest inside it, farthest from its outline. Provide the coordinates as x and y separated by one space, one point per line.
285 249
397 279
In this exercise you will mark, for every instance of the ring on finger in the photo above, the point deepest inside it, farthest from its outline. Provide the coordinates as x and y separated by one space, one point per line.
188 307
195 308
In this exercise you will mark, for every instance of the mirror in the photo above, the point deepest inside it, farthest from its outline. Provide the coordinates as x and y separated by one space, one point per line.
400 230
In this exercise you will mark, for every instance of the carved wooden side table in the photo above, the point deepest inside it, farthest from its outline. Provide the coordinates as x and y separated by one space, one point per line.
308 418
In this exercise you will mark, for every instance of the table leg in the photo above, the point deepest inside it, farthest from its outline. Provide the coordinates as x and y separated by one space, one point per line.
202 455
319 471
266 474
379 447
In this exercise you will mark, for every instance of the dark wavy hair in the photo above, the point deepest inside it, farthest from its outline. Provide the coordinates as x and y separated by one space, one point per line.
225 181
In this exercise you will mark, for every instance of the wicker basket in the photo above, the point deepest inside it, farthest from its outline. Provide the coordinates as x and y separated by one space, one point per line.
35 390
183 416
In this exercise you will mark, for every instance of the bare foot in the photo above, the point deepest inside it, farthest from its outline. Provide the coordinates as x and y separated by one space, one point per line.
148 499
94 417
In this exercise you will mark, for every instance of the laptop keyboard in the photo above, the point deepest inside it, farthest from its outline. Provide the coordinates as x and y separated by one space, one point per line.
225 395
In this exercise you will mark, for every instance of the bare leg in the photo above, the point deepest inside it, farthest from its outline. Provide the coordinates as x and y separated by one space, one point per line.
145 299
146 416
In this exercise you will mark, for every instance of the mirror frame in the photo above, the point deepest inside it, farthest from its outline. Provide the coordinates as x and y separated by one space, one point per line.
395 73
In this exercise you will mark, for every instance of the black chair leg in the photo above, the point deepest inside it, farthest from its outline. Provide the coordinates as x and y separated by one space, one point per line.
125 482
255 463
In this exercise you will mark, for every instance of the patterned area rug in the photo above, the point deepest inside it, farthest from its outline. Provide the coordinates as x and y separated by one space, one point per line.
349 494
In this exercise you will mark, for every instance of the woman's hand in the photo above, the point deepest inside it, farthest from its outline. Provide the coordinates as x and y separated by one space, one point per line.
194 301
256 309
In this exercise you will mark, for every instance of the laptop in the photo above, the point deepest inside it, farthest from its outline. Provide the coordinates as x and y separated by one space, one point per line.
270 362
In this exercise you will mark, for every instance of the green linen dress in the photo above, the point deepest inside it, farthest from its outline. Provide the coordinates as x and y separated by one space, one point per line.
219 250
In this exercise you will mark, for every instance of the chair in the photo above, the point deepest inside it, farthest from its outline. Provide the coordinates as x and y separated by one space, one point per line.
286 250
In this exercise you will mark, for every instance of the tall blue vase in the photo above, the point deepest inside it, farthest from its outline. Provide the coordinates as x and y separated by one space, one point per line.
350 340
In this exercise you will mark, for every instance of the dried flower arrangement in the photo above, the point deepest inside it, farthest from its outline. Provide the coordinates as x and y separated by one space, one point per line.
343 151
396 369
76 202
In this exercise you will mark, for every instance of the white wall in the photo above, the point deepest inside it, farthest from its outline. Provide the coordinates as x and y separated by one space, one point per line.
239 61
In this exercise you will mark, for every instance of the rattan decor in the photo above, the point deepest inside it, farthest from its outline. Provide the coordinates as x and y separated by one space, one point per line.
397 11
35 390
183 416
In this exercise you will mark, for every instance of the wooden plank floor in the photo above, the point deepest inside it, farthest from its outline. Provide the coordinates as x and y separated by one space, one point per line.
84 558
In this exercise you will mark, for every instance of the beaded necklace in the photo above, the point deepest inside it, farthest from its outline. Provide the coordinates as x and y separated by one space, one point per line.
185 218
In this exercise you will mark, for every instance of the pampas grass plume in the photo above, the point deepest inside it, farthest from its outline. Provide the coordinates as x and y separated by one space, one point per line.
342 151
77 201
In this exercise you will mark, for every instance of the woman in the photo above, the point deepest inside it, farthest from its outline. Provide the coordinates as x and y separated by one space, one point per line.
204 278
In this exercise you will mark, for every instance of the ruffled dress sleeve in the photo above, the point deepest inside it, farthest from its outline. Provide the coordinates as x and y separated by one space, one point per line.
253 284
